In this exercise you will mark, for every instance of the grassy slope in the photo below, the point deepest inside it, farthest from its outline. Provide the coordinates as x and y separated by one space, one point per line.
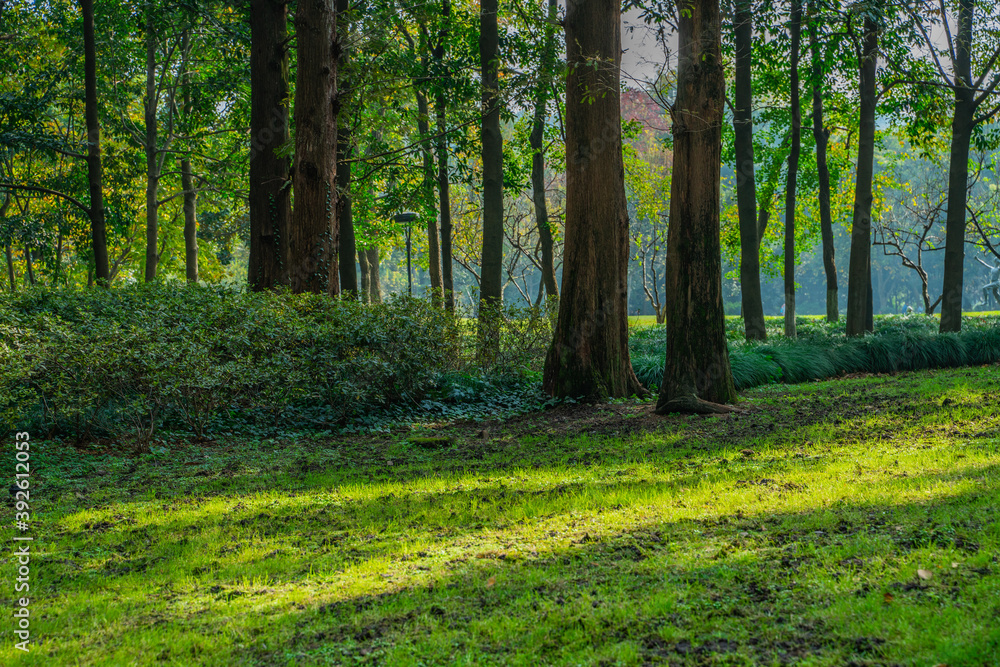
788 533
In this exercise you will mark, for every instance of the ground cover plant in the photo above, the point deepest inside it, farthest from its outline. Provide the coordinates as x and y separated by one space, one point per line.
829 523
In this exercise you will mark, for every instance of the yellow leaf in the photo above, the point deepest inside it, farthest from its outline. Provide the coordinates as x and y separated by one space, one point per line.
924 574
490 582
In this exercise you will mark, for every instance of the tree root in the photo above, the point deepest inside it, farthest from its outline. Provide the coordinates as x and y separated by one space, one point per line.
690 404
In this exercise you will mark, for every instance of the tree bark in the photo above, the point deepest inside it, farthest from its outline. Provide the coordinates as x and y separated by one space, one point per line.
697 375
859 278
345 212
270 204
821 136
314 234
30 275
187 176
537 141
958 173
746 184
444 187
152 167
429 177
10 268
491 281
795 28
365 285
590 355
95 177
374 281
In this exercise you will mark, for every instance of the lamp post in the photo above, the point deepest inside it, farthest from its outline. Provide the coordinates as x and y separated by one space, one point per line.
407 218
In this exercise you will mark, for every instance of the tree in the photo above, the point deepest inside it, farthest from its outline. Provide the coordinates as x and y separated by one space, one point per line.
95 178
859 278
491 285
590 355
746 187
697 376
795 30
314 234
536 139
345 210
270 203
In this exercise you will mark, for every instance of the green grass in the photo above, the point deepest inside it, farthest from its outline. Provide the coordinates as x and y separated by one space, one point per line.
788 533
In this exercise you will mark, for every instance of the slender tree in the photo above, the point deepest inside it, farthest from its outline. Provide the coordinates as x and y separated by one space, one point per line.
746 185
95 172
697 376
444 186
270 203
491 282
314 234
187 173
795 32
590 355
345 208
859 277
537 142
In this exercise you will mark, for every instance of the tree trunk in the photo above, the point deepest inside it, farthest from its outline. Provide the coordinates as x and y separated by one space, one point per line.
29 266
537 141
270 207
746 184
444 187
491 283
314 234
429 177
590 355
347 249
821 137
152 167
365 284
10 268
95 178
958 173
374 281
57 274
697 376
795 28
187 178
859 278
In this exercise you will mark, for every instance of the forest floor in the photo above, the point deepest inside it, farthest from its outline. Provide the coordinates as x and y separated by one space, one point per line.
850 522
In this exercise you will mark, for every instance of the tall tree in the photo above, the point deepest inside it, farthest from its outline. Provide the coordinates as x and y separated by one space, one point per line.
590 355
795 31
491 282
314 234
859 277
444 186
345 208
821 137
697 376
746 184
95 172
187 174
537 142
270 203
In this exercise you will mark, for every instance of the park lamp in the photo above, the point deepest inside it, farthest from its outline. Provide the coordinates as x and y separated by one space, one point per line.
407 218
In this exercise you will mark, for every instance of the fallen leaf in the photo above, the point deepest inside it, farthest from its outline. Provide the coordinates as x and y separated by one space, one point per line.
924 574
888 597
954 565
490 582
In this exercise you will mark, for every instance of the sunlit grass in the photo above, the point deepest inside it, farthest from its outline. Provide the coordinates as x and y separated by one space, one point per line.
790 532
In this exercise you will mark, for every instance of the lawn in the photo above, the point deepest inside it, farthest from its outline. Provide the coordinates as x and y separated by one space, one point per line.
830 523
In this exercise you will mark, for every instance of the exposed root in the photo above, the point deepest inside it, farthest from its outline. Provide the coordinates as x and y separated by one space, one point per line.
690 404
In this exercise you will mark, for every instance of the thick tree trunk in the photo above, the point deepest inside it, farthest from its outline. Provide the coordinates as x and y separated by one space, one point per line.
958 173
374 281
491 281
270 204
95 177
590 355
697 376
746 183
821 136
429 178
444 187
537 141
795 28
152 166
314 234
859 277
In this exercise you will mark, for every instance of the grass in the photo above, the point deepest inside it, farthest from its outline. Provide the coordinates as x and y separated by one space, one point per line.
789 532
